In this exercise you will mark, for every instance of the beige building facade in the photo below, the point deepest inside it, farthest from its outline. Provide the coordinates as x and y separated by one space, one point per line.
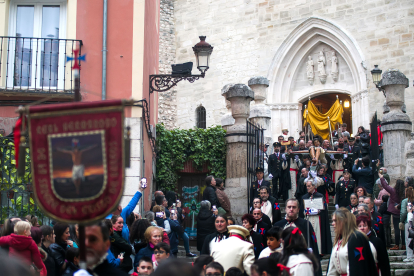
277 39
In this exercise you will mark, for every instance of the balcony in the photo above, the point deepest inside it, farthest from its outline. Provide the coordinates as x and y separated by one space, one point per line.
33 68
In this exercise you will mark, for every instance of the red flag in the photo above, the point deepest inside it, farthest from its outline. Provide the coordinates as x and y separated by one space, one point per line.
16 133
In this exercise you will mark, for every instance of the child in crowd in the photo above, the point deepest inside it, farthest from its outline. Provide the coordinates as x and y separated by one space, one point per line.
72 264
161 252
273 242
22 246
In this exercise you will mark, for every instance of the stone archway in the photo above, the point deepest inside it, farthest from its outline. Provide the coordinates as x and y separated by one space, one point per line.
288 80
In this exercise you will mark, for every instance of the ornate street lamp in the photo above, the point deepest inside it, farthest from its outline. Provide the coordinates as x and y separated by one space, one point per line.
376 77
202 51
163 83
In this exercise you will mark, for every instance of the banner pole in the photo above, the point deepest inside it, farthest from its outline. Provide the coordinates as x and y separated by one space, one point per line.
330 131
81 227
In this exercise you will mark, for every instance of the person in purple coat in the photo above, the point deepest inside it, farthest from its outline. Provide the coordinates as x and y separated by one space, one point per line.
393 201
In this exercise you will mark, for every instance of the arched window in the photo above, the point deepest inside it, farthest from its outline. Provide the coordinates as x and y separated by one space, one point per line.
201 117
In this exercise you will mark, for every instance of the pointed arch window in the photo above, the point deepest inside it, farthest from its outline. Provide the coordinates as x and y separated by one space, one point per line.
201 117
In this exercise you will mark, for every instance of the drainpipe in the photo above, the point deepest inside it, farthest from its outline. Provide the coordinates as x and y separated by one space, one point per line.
104 33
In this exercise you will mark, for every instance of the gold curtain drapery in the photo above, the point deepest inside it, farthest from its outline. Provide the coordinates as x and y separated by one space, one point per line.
319 122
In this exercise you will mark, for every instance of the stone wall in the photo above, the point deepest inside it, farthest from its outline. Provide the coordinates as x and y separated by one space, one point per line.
246 35
167 106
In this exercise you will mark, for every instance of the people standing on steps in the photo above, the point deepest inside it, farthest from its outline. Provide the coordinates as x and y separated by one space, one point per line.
256 185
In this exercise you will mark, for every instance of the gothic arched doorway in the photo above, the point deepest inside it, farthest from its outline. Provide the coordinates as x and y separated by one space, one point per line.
325 101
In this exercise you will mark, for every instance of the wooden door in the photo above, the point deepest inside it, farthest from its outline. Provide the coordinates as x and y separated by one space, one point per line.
190 190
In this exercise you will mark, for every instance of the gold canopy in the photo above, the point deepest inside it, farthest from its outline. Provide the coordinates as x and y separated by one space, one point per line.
319 122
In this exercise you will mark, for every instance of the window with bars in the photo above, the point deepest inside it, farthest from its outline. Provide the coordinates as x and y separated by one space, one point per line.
201 117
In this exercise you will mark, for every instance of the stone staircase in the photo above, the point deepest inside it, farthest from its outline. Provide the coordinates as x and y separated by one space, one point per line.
398 267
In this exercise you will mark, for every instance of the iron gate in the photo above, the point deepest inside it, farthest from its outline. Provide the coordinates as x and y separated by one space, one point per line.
16 193
255 153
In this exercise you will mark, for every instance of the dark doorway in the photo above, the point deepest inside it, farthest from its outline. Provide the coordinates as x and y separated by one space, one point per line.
325 101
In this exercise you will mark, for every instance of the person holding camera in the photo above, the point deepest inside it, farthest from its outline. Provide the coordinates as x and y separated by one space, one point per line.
407 208
364 175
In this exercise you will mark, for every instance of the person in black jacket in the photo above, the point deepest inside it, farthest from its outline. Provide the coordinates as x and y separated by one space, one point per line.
72 258
205 223
210 191
118 244
255 185
48 239
364 223
58 249
136 233
258 243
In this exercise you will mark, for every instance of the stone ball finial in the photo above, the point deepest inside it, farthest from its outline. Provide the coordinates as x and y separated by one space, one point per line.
394 76
240 90
258 80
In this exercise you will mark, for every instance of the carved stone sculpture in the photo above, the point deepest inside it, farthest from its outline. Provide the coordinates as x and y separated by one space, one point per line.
334 68
309 70
321 67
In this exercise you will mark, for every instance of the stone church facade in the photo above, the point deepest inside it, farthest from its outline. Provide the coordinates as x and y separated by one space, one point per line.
276 39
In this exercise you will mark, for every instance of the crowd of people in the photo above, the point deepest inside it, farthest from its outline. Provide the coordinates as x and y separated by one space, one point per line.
306 175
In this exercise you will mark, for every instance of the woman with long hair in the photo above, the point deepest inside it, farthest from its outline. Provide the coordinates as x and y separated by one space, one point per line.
296 255
396 195
220 234
351 254
74 234
136 234
58 249
407 202
378 249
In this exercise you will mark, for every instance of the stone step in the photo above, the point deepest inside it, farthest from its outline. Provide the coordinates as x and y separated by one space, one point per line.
395 252
399 272
402 265
397 258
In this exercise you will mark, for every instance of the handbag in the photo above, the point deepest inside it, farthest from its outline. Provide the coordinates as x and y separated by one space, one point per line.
410 231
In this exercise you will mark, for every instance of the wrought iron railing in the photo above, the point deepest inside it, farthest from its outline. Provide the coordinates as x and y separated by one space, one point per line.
37 64
255 153
16 193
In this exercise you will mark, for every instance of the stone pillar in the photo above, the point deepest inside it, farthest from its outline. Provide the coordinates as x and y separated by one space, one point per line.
259 112
240 96
409 156
227 119
396 125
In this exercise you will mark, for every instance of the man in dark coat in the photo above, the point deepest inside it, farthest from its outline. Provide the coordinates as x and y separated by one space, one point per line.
276 169
210 191
255 185
364 174
319 219
269 205
344 189
354 149
292 219
260 226
301 188
257 204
